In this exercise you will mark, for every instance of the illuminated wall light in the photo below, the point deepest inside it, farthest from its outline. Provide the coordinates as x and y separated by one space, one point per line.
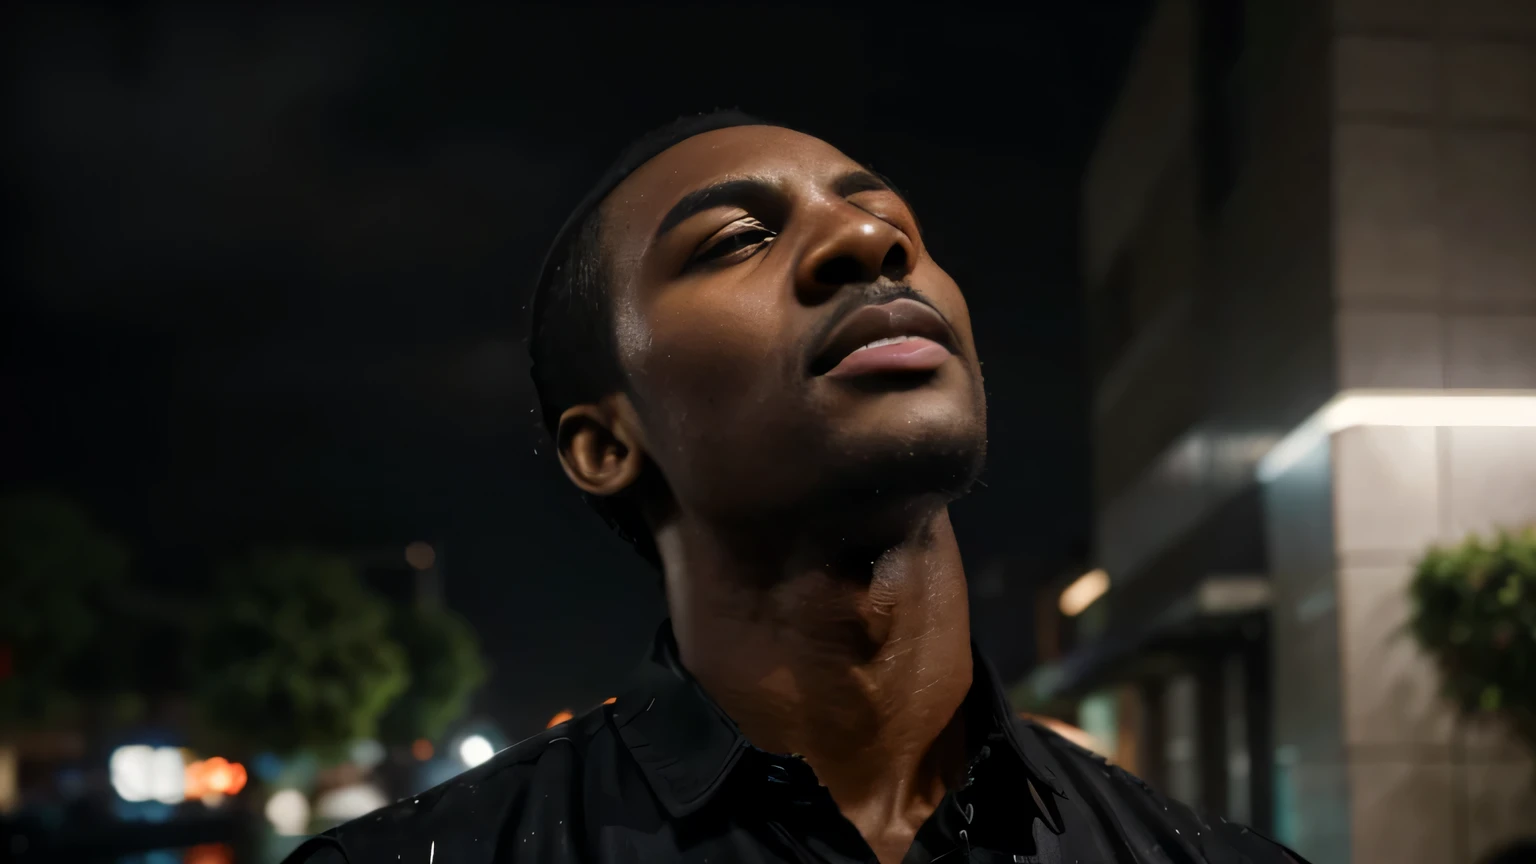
476 750
1083 591
1433 408
421 748
559 718
610 700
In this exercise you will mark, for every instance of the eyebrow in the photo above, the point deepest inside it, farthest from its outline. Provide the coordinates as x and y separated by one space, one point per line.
727 193
861 180
744 191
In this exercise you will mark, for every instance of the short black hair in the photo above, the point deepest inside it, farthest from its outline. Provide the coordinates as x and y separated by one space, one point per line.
571 343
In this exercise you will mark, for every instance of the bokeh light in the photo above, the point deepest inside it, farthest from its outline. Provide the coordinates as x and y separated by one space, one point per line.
288 812
476 750
421 556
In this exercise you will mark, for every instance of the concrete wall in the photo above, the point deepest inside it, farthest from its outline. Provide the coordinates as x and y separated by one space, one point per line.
1423 787
1381 233
1147 126
1234 342
1434 280
1435 165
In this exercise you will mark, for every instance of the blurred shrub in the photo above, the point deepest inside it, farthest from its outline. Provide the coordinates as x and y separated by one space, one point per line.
1474 612
445 667
60 576
294 652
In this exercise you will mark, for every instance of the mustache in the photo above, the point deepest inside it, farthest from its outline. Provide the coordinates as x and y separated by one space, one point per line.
873 294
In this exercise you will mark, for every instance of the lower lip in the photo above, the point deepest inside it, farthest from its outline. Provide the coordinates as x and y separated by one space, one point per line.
913 355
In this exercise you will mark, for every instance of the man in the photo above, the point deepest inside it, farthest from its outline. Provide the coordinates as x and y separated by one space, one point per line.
752 367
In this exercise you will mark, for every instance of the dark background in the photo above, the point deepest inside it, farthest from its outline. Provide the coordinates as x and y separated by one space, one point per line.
268 267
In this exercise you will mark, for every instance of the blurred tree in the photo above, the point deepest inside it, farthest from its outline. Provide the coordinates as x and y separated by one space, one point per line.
60 622
293 653
445 668
1474 612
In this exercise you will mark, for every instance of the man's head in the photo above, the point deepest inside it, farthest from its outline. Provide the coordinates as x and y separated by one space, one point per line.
697 341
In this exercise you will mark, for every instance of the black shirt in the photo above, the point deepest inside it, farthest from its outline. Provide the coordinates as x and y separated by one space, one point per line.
663 775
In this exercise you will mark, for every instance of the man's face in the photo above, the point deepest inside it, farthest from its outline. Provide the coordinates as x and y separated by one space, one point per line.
750 264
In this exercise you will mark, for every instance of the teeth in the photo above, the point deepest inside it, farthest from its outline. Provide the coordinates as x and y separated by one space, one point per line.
879 342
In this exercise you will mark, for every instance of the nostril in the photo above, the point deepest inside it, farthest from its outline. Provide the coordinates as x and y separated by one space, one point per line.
894 267
842 270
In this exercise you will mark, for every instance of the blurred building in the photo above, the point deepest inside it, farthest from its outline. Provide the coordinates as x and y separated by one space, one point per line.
1309 255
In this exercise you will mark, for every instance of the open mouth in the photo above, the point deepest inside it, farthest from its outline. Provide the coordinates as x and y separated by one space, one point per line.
901 336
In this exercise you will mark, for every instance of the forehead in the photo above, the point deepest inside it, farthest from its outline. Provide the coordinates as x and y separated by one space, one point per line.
783 156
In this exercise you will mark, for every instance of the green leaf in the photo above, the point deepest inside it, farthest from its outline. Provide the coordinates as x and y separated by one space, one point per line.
1489 700
295 653
60 620
1473 610
445 669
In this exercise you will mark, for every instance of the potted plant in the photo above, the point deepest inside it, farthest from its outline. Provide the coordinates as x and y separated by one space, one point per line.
1474 613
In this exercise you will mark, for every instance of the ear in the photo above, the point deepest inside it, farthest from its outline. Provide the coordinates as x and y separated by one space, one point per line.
600 445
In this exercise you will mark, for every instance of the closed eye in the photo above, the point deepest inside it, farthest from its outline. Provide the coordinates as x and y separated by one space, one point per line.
738 242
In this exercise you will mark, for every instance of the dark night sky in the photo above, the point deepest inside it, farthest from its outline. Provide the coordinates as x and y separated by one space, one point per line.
272 262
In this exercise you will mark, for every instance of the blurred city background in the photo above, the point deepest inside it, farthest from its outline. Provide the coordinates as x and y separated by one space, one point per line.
1254 282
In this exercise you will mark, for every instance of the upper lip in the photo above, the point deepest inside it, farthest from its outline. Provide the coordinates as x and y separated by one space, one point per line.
900 317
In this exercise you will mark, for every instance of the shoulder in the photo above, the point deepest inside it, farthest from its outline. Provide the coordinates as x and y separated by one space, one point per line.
524 794
1142 814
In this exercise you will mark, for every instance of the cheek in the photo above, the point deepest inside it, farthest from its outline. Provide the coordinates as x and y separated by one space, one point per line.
713 359
948 297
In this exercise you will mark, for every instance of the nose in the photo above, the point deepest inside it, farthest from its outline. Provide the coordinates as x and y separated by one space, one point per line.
852 248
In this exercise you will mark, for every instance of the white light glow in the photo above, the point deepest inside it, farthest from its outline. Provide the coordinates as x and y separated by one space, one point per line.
367 753
142 773
1398 408
476 750
1083 591
349 802
288 811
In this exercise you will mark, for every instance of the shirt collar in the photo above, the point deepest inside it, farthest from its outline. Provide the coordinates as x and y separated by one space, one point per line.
686 745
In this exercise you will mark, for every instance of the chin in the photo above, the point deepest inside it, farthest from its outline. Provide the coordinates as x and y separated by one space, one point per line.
874 490
919 457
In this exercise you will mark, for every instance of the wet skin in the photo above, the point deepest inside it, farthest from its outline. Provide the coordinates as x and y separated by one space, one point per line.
797 486
720 315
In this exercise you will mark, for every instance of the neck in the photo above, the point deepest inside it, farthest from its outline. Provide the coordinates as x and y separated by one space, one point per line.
857 660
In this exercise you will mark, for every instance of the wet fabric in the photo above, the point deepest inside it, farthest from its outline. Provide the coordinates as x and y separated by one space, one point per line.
662 774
